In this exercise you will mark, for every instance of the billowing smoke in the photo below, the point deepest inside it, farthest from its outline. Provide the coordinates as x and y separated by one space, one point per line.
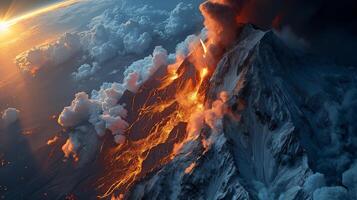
211 116
220 21
325 27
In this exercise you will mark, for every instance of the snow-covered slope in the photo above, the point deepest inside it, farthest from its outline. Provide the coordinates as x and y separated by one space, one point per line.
290 132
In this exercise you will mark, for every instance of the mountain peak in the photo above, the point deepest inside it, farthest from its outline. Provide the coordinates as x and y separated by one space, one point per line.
269 144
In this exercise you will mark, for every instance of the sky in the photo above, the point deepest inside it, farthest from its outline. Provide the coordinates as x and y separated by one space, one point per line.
10 8
45 94
27 93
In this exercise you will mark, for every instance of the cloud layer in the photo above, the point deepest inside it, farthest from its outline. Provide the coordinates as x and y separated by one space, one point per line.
101 110
121 30
49 55
85 71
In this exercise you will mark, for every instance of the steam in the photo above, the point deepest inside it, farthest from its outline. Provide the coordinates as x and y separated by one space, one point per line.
211 117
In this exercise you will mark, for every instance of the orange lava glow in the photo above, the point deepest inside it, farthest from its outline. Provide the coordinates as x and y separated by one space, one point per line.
204 48
190 168
176 108
179 98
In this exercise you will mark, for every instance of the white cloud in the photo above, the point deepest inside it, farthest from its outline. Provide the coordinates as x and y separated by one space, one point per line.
185 47
85 71
125 29
9 116
49 55
102 110
182 18
79 111
140 71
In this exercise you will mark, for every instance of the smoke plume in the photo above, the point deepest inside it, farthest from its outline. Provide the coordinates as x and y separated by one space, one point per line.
328 27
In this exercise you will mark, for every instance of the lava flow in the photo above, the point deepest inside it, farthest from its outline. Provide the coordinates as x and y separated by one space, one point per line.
169 110
170 101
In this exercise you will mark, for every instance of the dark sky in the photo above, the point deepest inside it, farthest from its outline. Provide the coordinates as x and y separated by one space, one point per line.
329 27
20 6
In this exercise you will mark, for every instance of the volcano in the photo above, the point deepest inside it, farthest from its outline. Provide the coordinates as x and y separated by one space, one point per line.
291 137
286 131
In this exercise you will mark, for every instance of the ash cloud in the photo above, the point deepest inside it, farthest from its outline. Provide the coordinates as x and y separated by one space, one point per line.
327 27
220 20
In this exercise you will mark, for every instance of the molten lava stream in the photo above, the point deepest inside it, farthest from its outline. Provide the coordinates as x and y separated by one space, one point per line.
168 103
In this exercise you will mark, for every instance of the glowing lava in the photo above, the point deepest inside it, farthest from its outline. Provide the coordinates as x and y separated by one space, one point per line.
179 95
204 48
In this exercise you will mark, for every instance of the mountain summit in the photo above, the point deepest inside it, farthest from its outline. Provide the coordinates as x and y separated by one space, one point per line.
289 132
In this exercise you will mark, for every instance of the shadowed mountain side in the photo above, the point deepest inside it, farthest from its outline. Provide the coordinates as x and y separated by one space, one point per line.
295 121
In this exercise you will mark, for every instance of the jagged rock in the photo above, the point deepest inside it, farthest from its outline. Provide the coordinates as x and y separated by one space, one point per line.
293 121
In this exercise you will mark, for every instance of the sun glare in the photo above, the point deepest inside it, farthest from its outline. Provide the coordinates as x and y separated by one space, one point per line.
4 26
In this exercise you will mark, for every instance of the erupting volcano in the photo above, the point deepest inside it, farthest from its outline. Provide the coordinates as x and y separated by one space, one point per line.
169 111
166 114
248 106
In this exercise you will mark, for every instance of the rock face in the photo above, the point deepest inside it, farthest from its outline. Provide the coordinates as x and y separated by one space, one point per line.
292 136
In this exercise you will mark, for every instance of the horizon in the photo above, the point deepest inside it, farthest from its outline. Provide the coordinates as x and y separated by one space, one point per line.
13 8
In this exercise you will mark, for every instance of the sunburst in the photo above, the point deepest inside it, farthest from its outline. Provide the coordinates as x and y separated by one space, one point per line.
4 26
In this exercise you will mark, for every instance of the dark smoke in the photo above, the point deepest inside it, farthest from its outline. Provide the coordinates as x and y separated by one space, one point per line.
328 27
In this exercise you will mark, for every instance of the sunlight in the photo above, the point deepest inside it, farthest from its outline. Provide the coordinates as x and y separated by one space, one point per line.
4 26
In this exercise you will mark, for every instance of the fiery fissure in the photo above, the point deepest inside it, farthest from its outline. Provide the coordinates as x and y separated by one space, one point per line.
188 99
179 98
